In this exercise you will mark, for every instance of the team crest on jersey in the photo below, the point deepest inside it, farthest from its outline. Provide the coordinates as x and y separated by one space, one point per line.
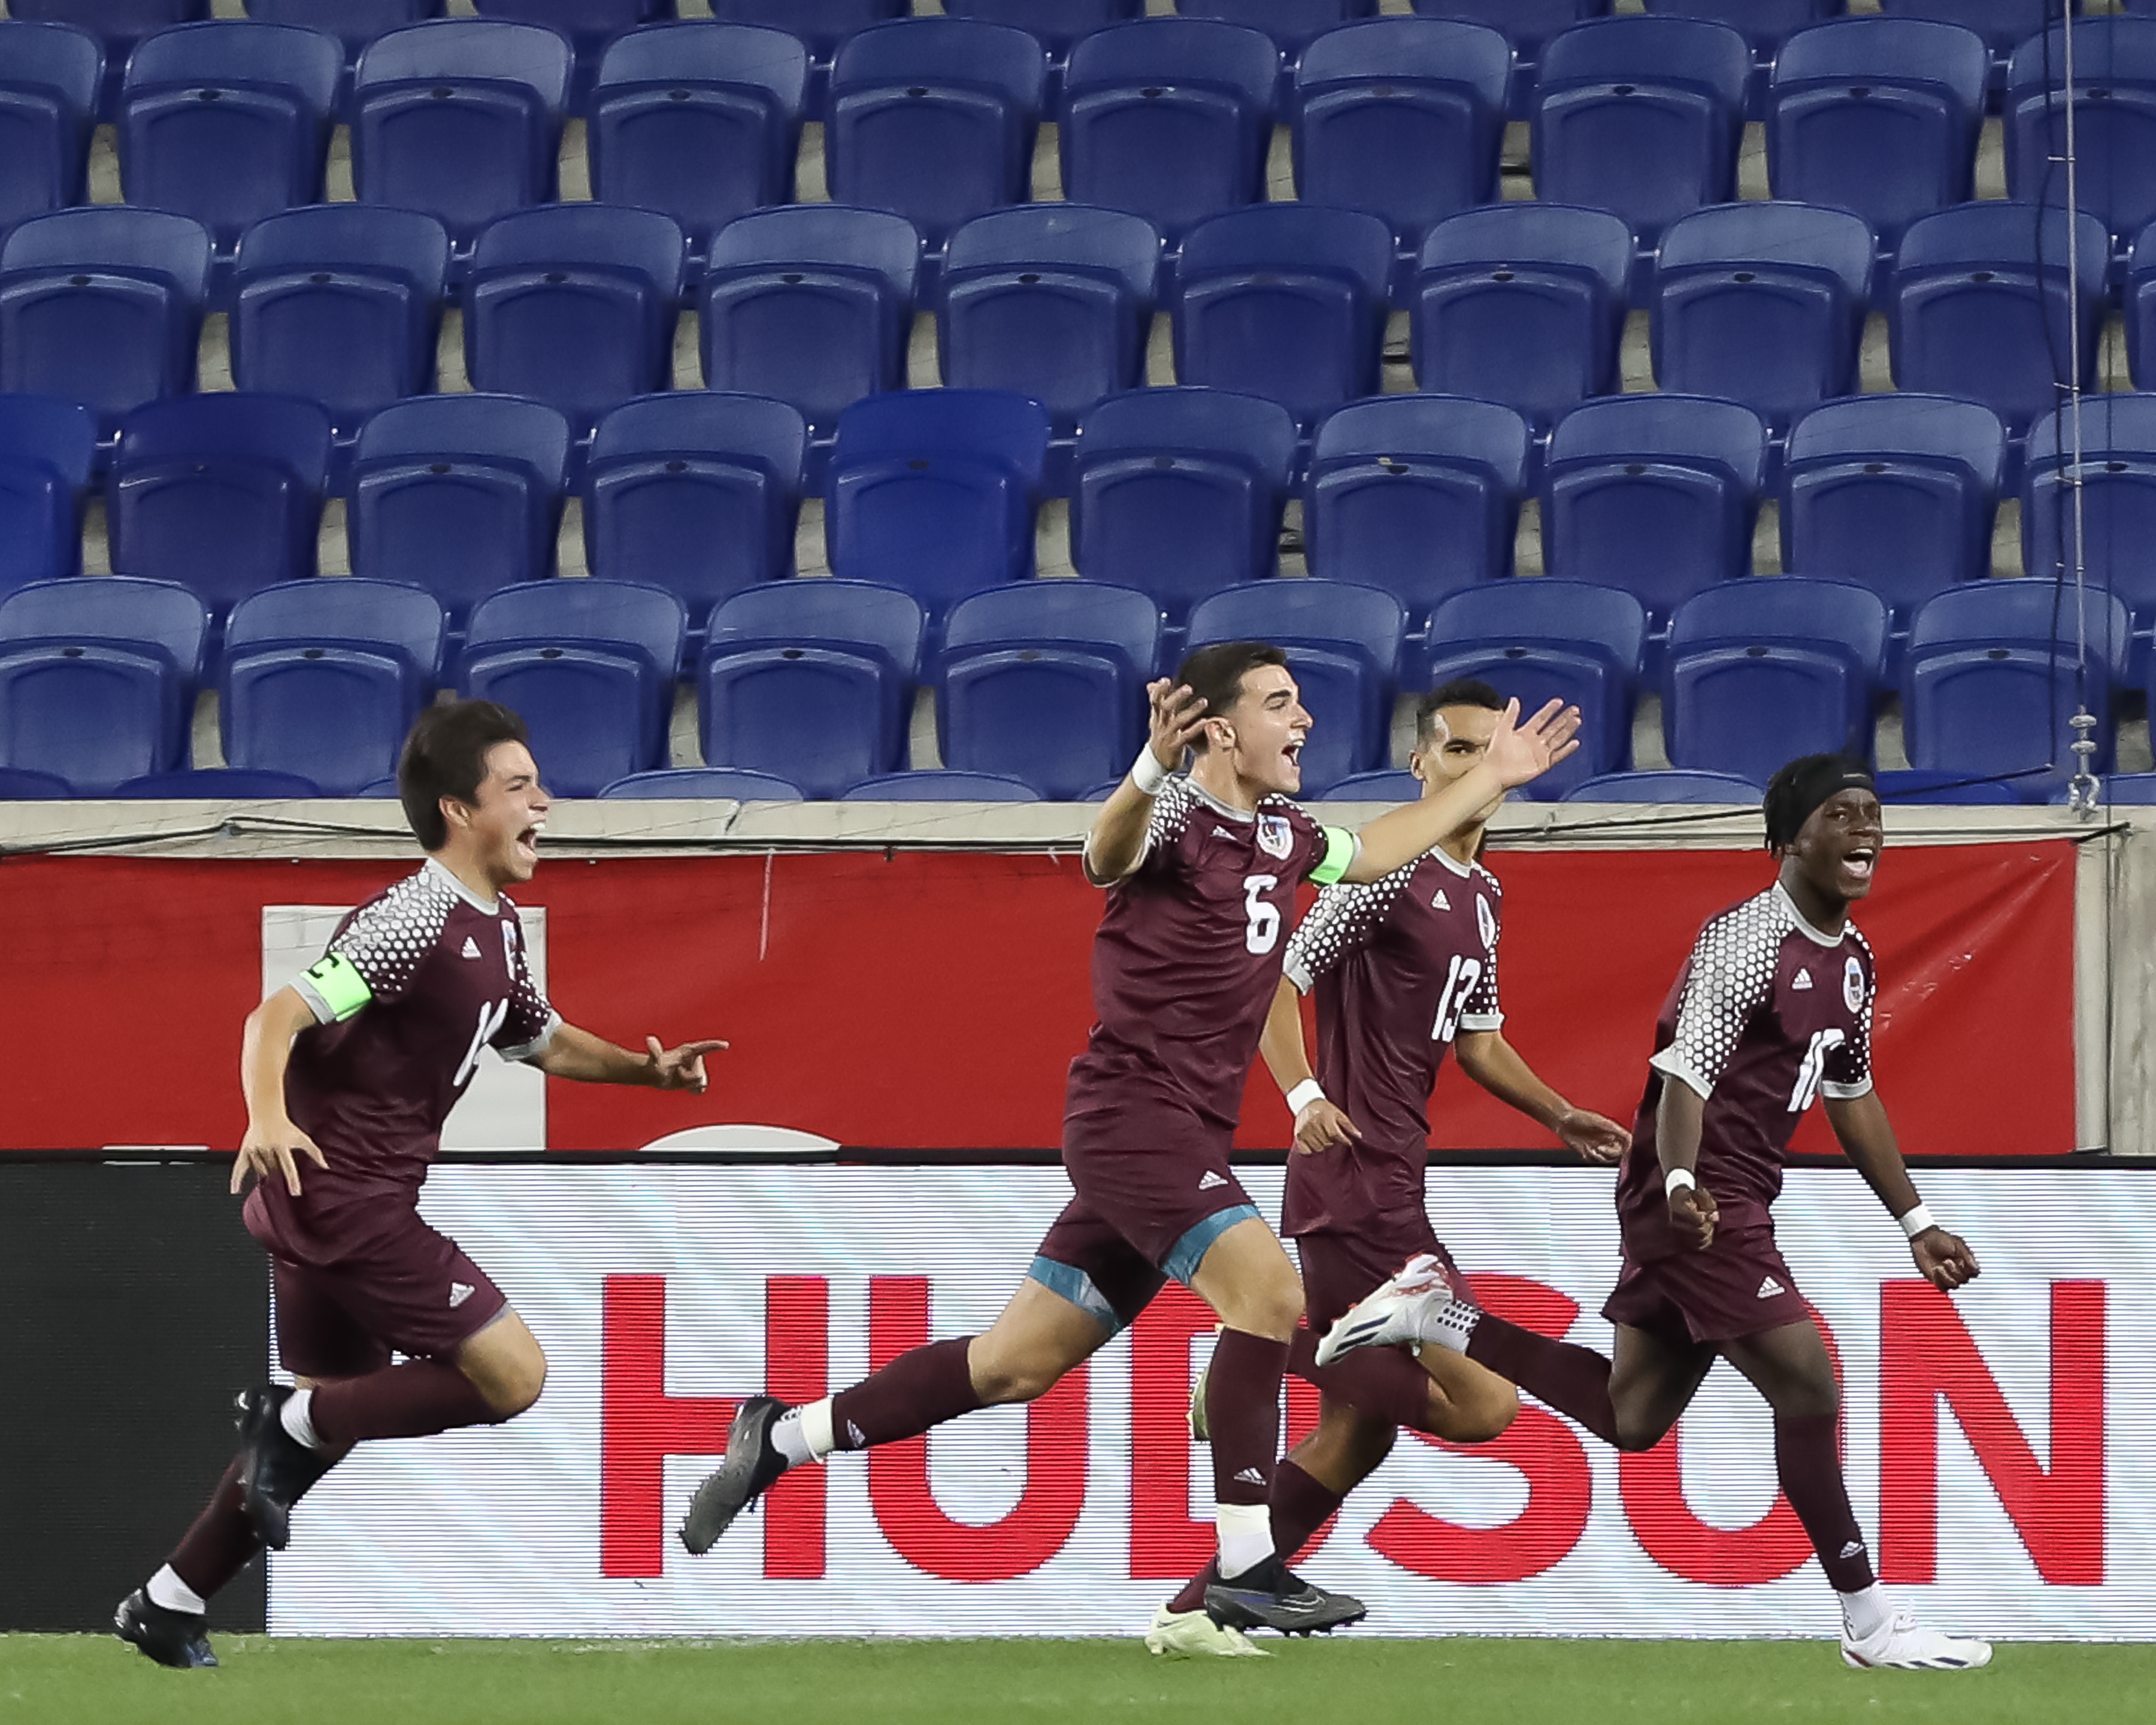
1485 921
1274 838
1852 983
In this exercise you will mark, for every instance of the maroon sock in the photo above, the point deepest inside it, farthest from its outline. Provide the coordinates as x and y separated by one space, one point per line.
1808 1458
415 1399
1243 1411
1574 1380
1300 1505
922 1386
1386 1384
222 1542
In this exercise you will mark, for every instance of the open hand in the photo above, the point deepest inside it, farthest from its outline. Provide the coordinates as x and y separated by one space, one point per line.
1321 1125
274 1146
680 1068
1693 1213
1176 717
1945 1258
1520 751
1591 1136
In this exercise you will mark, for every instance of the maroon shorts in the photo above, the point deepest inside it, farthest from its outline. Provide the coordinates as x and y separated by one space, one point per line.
355 1281
1154 1191
1338 1269
1737 1286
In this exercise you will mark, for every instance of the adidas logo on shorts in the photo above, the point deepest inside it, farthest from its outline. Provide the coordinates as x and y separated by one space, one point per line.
460 1291
1210 1181
1770 1287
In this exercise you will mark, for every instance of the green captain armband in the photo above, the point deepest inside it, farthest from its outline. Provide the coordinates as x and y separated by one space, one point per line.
337 980
1340 848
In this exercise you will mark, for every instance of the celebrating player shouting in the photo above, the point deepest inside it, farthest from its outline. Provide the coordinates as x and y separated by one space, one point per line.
1202 873
1773 1009
1404 968
353 1069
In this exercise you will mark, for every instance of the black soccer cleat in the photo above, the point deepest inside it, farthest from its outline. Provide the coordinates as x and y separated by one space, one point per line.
752 1462
275 1468
1274 1597
178 1638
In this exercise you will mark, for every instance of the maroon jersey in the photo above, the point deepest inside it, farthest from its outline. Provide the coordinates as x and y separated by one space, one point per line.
417 983
1189 948
1399 966
1766 1014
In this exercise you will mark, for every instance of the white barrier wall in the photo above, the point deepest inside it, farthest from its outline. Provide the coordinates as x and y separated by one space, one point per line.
1997 1444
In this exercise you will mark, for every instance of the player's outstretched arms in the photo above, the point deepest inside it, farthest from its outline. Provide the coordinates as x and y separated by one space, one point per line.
1116 844
1679 1118
272 1143
1519 751
1492 1062
572 1053
1319 1125
1867 1138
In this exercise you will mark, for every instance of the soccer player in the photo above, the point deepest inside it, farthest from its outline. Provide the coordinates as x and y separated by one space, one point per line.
1773 1010
1201 873
351 1070
1404 968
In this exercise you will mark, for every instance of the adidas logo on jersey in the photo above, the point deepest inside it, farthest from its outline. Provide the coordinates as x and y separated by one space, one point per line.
471 947
1802 979
460 1291
1770 1287
1210 1181
1440 902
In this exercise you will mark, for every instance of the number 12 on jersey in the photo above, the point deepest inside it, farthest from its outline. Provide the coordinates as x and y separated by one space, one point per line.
1459 983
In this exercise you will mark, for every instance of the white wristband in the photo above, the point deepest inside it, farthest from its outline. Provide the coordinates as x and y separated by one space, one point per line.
1147 773
1304 1094
1916 1221
1678 1180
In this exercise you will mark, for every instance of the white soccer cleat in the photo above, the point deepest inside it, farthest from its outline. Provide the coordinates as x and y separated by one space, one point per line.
1416 1306
1192 1635
1903 1647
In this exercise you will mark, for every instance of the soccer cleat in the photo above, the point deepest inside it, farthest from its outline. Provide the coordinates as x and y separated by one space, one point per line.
1416 1306
1192 1635
752 1462
1272 1596
275 1469
178 1638
1902 1646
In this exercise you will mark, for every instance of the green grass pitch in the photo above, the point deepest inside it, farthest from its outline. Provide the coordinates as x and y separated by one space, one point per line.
63 1679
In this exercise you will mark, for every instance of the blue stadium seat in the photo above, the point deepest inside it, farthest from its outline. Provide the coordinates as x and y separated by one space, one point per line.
935 119
589 25
1761 303
353 23
460 494
460 118
700 120
1879 116
1419 494
1640 115
1767 24
102 306
97 678
1058 25
822 24
222 493
695 491
1186 90
812 304
1054 300
1654 494
698 783
1979 305
229 122
49 83
1895 491
931 785
21 784
1764 669
932 490
219 784
1907 784
1383 784
2114 121
1675 786
1992 676
2138 302
1539 639
574 304
2118 501
1045 682
1344 647
1180 492
589 664
118 26
47 449
324 678
2004 24
1523 304
1526 24
1402 117
1292 24
341 303
812 680
1284 301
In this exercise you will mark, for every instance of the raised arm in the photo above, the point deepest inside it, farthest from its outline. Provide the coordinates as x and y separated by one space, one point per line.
1492 1062
1116 844
573 1053
1867 1136
272 1141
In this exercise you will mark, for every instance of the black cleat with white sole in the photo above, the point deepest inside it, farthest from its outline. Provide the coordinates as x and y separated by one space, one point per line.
752 1463
276 1470
178 1638
1274 1597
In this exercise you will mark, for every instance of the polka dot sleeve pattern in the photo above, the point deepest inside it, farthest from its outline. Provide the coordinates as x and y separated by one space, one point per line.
1848 1071
531 1021
1482 1012
1729 976
1341 922
386 939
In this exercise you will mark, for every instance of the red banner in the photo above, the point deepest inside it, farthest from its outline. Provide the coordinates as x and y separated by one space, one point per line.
933 1001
